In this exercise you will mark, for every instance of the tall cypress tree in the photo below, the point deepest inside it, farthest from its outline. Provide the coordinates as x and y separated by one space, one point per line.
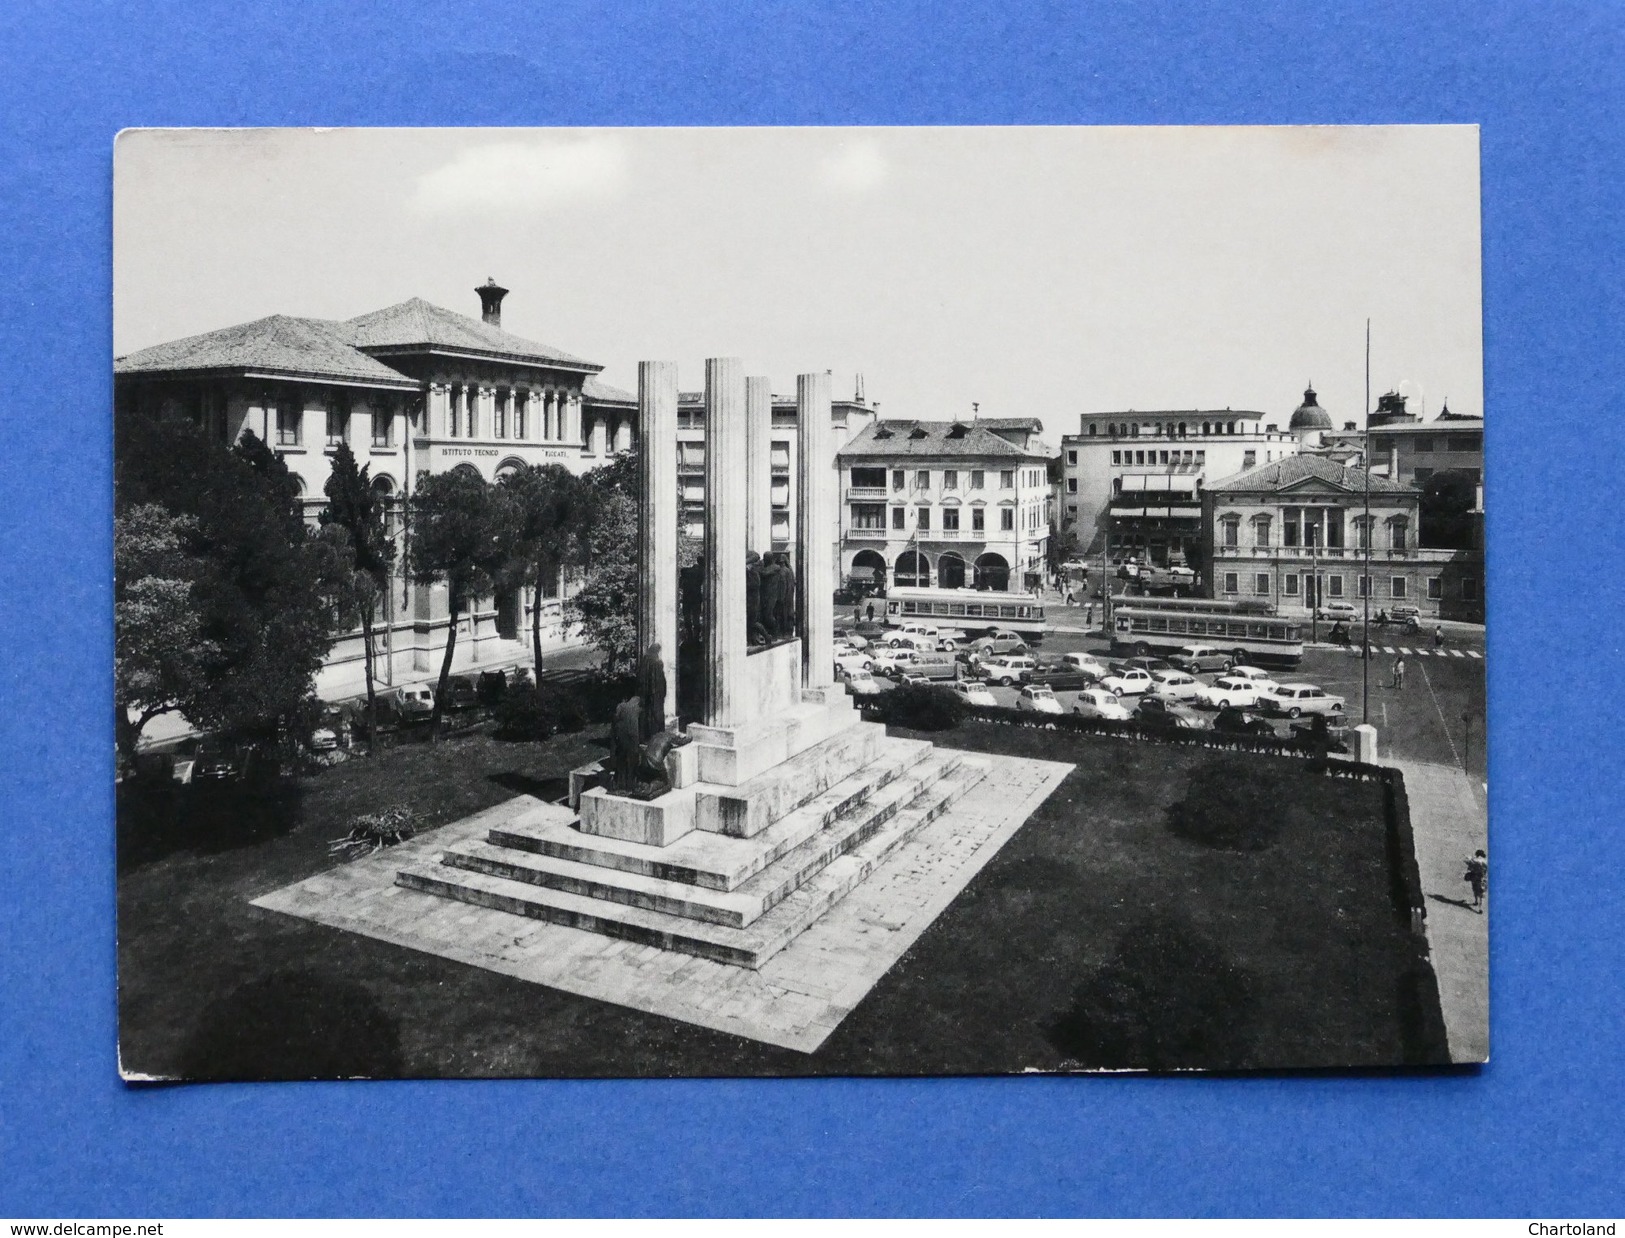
354 506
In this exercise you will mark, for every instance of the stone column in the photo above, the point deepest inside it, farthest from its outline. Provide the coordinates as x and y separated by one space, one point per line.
815 529
486 426
572 419
550 403
510 409
600 438
725 649
436 410
657 520
454 410
758 465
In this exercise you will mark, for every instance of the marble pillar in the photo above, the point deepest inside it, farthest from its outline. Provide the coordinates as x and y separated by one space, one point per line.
657 520
758 465
510 414
437 411
725 637
572 419
816 528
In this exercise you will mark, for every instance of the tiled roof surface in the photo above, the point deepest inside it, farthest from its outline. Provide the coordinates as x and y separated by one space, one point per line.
419 322
593 388
304 346
1012 423
931 438
1284 473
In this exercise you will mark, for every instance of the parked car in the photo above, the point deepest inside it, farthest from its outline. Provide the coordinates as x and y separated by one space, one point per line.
858 682
491 687
1005 670
1058 673
1235 721
1345 611
220 759
1262 680
1196 659
851 643
974 692
461 693
891 661
1174 686
1228 691
853 658
1039 699
1292 700
926 636
936 667
1129 681
1336 730
332 730
913 679
415 702
1149 665
999 644
1099 703
1088 664
389 715
1406 614
1159 713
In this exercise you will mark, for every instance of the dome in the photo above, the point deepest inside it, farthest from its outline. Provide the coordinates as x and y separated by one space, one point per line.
1310 415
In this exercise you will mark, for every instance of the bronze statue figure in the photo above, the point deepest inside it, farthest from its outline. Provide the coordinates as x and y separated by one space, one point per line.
625 748
652 693
773 597
754 632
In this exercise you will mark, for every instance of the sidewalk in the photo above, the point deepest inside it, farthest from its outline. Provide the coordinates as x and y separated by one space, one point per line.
1449 821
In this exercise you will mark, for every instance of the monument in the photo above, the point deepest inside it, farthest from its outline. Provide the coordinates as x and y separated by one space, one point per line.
728 836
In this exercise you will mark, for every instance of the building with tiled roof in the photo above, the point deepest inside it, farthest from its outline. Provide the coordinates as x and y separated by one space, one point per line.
1305 532
947 504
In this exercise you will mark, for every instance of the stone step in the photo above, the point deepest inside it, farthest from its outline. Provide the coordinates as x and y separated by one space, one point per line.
748 809
745 947
737 908
714 861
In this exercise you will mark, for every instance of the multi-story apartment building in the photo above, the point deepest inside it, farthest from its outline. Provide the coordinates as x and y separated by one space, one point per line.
1410 450
1308 530
1131 482
952 504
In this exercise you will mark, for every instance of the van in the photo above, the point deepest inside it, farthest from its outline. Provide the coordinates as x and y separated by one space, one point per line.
415 702
934 666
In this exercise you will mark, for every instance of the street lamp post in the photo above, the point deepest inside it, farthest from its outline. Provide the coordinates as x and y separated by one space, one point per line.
1365 538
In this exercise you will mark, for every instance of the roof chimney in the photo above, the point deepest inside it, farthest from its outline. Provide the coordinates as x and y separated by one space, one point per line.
491 295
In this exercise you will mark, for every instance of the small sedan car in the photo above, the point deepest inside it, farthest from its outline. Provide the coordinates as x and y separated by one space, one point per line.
461 693
1159 713
973 693
1174 686
1229 691
1195 659
854 659
1005 670
415 702
1129 681
1149 665
858 682
999 643
1089 664
849 641
1262 679
1099 703
218 759
1038 698
1336 610
892 661
1293 700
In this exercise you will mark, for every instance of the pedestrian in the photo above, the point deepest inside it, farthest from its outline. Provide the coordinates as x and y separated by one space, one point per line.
857 612
1069 595
871 612
1477 877
1089 615
1399 673
1438 636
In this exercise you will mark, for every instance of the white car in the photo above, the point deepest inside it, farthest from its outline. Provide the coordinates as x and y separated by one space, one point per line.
1039 699
1088 664
1262 680
1006 670
1174 686
1099 703
858 682
852 658
1230 690
974 693
925 636
851 640
1296 699
1131 681
1336 610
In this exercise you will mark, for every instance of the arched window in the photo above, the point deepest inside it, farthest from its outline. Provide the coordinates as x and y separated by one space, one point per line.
950 571
383 485
511 465
1092 431
467 469
913 570
992 572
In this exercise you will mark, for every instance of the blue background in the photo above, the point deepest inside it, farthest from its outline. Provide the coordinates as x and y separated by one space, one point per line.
1538 1132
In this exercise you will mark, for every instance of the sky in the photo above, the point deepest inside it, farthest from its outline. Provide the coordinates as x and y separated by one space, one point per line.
1038 272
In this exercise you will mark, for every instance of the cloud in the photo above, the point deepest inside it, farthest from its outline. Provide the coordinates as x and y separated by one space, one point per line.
855 168
524 174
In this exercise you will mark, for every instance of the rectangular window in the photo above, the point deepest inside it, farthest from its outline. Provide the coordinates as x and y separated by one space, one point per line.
922 479
1163 456
1007 479
978 520
897 519
381 422
1399 534
1289 527
871 478
1435 588
1290 584
950 518
1334 527
1071 485
1469 589
1261 584
521 411
897 479
1463 442
1249 459
1139 457
288 418
1007 519
1231 583
1365 586
1232 532
1071 457
1396 587
868 515
1117 457
923 520
976 479
950 479
1424 443
338 424
1201 457
1334 586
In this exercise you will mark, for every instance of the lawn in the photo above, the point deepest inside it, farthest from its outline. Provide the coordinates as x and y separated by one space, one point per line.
1286 957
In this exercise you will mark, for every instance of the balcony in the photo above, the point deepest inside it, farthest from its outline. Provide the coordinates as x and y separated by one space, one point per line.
863 493
939 535
870 535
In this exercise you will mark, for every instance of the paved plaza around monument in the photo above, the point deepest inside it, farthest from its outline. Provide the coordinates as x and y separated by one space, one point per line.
794 1001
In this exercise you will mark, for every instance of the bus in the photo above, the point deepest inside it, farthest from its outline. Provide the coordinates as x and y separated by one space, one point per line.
1251 633
975 611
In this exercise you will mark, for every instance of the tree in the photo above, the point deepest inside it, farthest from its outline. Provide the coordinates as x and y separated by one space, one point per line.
551 510
606 605
254 620
1447 498
464 533
359 510
1061 548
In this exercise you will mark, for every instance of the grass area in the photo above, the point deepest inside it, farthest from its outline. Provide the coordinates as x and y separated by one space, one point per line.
1310 957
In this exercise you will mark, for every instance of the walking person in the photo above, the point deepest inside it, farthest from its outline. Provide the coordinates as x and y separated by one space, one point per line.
1438 636
1069 601
1477 877
871 612
1089 615
1399 673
